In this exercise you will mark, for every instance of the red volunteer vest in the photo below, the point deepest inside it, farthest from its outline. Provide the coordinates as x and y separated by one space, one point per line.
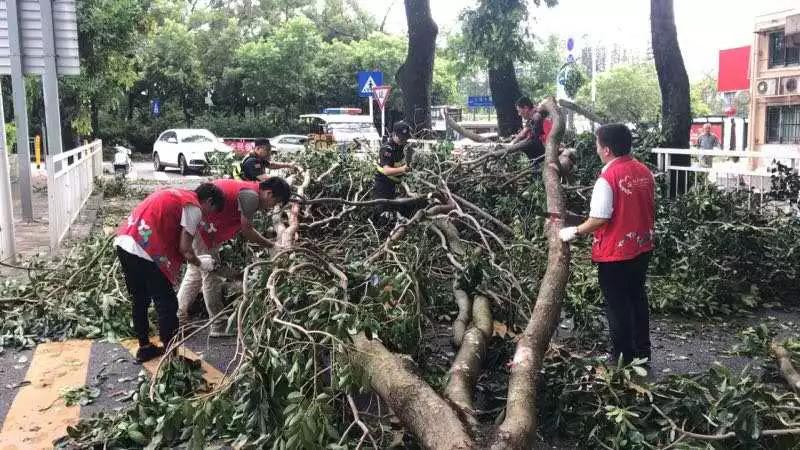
630 231
155 224
547 126
219 227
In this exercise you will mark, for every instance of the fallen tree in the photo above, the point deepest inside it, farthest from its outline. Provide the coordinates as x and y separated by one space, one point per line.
346 305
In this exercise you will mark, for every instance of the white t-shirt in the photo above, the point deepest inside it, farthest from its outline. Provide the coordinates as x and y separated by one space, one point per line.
190 220
602 203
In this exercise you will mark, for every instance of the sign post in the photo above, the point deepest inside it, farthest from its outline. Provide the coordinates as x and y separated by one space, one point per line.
42 40
382 94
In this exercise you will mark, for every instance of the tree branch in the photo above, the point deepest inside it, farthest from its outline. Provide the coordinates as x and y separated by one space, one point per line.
519 426
424 413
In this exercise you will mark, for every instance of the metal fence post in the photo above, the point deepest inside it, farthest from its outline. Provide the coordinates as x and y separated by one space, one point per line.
7 245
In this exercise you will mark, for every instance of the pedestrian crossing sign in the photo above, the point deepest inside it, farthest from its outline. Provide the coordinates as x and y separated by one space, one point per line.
368 80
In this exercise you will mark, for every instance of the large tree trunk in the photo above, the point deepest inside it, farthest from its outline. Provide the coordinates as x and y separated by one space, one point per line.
449 422
415 76
505 92
674 83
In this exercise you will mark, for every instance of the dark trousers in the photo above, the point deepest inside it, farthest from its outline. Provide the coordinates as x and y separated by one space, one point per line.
384 191
623 287
146 282
534 150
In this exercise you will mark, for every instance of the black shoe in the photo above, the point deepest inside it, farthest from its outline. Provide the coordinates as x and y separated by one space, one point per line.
148 352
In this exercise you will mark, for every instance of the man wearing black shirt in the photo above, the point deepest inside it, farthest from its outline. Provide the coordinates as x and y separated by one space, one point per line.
391 166
254 166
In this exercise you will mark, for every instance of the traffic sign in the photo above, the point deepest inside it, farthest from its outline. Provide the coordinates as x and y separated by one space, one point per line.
155 107
381 93
480 101
367 81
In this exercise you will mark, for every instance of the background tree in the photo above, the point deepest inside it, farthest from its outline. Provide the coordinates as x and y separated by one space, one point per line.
416 74
672 78
705 99
626 94
496 36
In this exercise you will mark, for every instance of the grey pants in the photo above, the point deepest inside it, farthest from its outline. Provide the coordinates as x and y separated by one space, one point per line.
196 280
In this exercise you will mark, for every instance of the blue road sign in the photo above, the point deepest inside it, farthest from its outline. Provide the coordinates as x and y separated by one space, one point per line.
570 44
480 101
155 107
368 80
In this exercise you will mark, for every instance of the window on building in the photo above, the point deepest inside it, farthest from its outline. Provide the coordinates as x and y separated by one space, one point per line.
780 54
783 124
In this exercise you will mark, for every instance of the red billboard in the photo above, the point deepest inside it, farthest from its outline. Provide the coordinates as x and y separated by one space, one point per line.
734 69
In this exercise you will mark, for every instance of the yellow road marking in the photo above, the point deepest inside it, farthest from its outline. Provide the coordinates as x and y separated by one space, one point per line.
211 374
38 415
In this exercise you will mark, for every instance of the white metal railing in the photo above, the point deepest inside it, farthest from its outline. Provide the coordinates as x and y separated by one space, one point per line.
726 169
70 181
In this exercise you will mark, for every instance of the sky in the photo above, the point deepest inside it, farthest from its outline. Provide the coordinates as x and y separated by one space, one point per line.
704 26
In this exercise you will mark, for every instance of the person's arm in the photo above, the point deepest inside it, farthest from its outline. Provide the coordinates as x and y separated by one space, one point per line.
252 235
591 225
278 165
392 171
523 135
190 220
186 248
600 211
387 161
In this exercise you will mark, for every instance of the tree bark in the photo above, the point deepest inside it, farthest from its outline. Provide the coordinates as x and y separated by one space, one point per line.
426 415
505 92
415 76
673 81
519 427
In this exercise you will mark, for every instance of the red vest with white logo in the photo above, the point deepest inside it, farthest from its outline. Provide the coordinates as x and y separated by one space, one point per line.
155 224
218 227
630 231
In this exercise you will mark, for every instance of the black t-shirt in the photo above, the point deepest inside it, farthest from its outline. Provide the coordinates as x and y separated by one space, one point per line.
253 167
391 155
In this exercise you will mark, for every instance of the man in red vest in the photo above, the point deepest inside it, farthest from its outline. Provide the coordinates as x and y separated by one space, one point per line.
622 217
242 200
152 244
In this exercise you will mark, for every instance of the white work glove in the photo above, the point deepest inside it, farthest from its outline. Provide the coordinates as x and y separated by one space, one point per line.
567 234
207 263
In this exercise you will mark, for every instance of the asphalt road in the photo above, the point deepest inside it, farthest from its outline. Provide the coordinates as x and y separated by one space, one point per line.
144 171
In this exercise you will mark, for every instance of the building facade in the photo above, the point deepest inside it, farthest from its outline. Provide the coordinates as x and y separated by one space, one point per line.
775 83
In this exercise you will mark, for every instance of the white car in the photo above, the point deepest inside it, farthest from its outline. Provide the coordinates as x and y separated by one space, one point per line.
186 149
289 143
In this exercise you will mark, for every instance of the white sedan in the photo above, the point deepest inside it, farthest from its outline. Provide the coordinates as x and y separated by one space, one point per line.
186 149
289 143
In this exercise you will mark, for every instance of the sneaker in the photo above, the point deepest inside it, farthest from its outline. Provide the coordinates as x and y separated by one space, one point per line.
148 352
219 332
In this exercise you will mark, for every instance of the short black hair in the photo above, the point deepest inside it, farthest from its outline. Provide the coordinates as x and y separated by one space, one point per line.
524 102
402 129
279 187
210 191
615 136
263 142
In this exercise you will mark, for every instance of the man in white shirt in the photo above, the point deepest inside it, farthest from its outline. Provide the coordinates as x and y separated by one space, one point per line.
152 245
622 219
